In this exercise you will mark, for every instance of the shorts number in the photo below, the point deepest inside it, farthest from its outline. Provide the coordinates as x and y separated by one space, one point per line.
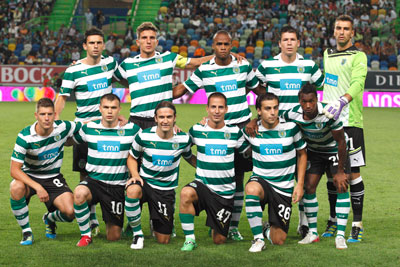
349 141
223 215
284 212
334 160
57 183
116 207
162 208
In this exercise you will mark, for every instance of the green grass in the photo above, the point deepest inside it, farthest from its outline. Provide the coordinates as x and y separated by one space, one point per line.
381 213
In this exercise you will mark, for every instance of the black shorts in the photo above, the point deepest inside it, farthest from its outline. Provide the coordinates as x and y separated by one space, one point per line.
356 147
319 163
111 198
242 164
218 209
143 123
279 206
79 154
54 187
161 207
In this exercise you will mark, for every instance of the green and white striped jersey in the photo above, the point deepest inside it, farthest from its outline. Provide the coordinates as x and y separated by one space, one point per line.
231 80
90 83
345 72
108 150
42 156
274 155
215 157
161 158
285 80
150 80
316 132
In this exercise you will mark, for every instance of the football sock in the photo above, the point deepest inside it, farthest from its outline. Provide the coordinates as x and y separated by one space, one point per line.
332 196
357 198
302 214
20 210
134 213
254 215
57 216
237 205
187 222
342 212
93 216
82 214
311 209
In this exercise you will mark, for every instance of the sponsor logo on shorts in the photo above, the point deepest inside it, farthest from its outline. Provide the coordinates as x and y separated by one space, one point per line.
83 182
162 160
331 79
216 150
271 149
226 86
108 146
49 154
149 75
290 84
192 184
98 84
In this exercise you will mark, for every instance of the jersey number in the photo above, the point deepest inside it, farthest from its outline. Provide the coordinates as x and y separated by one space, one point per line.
162 208
57 183
284 212
116 207
349 141
334 160
223 215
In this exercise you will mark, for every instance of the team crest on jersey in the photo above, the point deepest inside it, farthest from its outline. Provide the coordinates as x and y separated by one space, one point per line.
343 61
318 125
282 134
104 68
300 69
159 59
175 146
57 137
121 132
236 69
227 135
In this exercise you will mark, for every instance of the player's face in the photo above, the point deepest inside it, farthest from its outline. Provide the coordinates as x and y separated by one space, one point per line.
308 103
165 119
216 109
45 118
289 43
269 112
109 110
222 46
343 33
94 46
147 42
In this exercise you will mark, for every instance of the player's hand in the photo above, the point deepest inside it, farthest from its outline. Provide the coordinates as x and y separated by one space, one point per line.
122 120
298 193
238 57
203 121
341 181
177 129
133 180
252 128
42 194
334 109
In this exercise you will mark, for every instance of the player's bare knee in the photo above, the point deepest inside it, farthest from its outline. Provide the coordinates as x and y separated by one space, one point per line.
17 190
252 188
134 191
113 237
80 194
309 188
219 239
187 194
163 239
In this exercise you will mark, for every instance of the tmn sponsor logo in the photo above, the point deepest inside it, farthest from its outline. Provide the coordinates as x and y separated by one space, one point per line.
108 146
148 76
290 84
216 150
98 84
226 86
49 154
162 160
331 79
271 149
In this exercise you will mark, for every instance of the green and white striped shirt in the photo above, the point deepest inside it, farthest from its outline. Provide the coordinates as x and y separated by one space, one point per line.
215 157
42 156
90 83
161 157
230 80
274 155
316 132
285 80
108 150
150 80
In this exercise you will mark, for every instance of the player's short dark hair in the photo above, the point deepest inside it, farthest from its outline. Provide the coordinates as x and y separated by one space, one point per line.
222 32
93 31
216 95
288 29
146 26
110 97
308 88
165 104
266 96
45 102
345 18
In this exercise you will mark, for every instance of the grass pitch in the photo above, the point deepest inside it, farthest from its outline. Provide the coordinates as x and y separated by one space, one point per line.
381 212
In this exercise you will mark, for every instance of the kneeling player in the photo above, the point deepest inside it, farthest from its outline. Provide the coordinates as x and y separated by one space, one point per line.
274 164
326 151
35 166
109 145
158 178
214 186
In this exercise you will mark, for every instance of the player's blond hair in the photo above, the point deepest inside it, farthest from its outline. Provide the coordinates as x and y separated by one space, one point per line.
146 26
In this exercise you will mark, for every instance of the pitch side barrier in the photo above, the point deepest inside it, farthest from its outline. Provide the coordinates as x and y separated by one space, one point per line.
25 83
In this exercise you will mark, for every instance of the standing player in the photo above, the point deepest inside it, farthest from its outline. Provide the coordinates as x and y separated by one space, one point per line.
109 144
345 72
275 148
326 152
35 166
214 186
90 78
226 75
161 148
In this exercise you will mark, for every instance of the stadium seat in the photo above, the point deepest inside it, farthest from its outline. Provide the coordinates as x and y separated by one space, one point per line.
35 47
170 42
235 43
209 19
374 65
256 63
209 42
234 49
384 65
162 42
226 21
177 20
307 56
267 43
243 43
195 37
190 31
175 49
218 20
183 48
241 49
374 58
242 54
249 56
163 10
171 26
11 47
300 50
21 59
202 43
185 21
282 21
260 43
179 26
133 53
274 21
159 48
382 12
190 54
134 48
393 68
19 46
208 50
373 13
250 49
28 47
194 43
247 32
191 49
183 54
308 50
392 59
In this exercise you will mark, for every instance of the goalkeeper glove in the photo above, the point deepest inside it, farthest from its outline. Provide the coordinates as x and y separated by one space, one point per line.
333 109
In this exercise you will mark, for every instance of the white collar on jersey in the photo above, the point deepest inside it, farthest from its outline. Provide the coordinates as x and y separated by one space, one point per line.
156 54
279 57
234 61
34 133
